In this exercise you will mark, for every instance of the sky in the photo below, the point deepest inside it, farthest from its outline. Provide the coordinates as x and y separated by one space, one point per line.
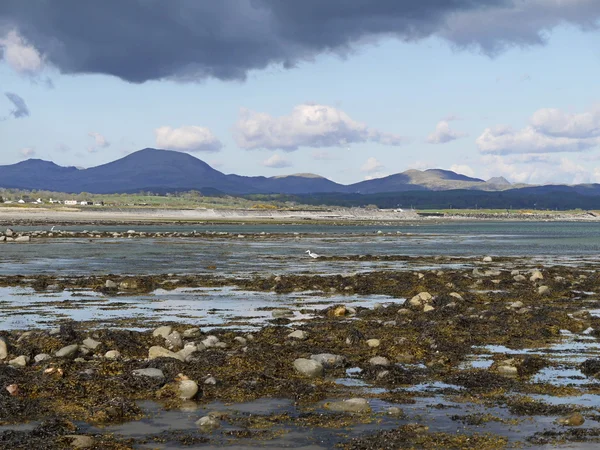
348 89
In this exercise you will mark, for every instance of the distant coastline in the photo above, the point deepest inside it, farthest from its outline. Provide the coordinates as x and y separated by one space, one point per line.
42 215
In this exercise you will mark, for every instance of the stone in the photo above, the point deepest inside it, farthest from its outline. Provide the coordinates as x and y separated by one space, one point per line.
519 278
3 349
373 343
210 381
282 313
191 332
353 405
379 361
19 361
160 352
210 341
150 373
536 275
189 349
428 308
339 311
128 284
516 305
329 360
573 420
487 259
394 411
91 343
9 232
67 351
187 389
112 354
162 331
41 357
420 299
240 340
507 370
110 284
456 295
22 238
543 290
208 423
298 334
174 341
308 367
80 441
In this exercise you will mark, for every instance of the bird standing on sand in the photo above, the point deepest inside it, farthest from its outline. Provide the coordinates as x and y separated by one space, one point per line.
312 255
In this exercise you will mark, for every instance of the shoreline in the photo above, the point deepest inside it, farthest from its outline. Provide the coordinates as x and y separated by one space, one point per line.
12 215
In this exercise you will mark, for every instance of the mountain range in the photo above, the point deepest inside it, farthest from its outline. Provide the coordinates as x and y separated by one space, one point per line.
163 170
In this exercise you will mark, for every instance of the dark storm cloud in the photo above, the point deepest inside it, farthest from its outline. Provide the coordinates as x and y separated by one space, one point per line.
140 40
20 109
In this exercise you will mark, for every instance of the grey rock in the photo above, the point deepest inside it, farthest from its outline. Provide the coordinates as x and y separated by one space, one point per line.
210 341
67 351
160 352
112 354
373 343
353 405
308 367
150 373
174 341
110 284
519 278
282 313
9 232
91 343
298 334
191 332
210 380
240 340
543 290
329 360
487 259
394 411
41 357
162 331
22 238
536 275
208 423
379 361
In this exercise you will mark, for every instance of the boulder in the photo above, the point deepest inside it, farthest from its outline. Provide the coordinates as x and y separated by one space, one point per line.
67 351
329 360
160 352
162 331
353 405
308 367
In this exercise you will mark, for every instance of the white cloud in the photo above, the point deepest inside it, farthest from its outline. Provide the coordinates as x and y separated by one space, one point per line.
99 142
443 134
503 140
19 55
554 122
27 152
371 166
308 125
187 139
276 162
463 169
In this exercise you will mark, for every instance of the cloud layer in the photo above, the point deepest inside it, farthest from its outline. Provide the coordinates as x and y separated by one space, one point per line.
193 40
191 139
308 125
550 130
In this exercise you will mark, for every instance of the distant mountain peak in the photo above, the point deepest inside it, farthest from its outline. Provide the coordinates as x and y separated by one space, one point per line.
299 175
499 181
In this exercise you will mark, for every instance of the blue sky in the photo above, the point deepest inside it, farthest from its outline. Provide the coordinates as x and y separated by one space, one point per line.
529 112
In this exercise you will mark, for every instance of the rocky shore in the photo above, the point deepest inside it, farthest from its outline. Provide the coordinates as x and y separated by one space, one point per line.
500 353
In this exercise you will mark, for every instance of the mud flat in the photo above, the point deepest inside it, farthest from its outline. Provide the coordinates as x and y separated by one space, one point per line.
499 354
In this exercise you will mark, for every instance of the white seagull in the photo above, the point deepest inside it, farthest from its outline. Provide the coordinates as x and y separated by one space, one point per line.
312 255
52 229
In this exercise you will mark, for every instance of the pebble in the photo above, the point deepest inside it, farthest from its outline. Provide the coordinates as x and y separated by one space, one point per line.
91 343
67 351
110 284
536 275
519 278
160 352
394 411
516 305
573 420
308 367
41 357
329 360
240 340
80 441
208 423
162 331
187 389
211 380
150 372
487 259
353 405
428 308
19 361
379 361
298 334
543 290
373 343
3 349
112 354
